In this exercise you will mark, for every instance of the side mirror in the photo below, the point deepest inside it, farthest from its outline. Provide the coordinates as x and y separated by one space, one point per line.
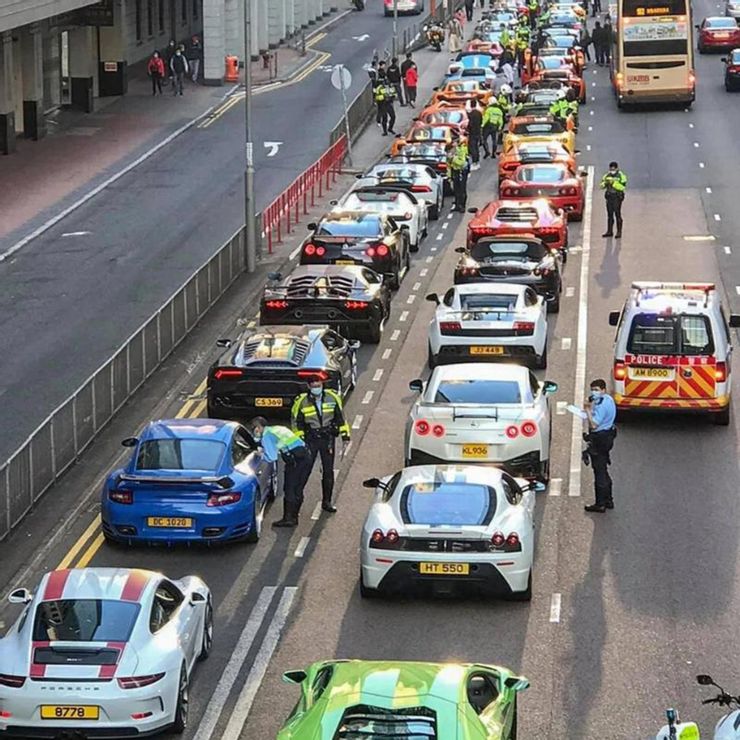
354 344
405 227
703 680
275 276
196 598
723 59
577 151
734 320
371 483
433 297
537 486
311 226
473 210
460 250
435 88
613 318
130 441
514 683
416 385
359 176
583 173
20 596
549 386
333 202
224 342
297 677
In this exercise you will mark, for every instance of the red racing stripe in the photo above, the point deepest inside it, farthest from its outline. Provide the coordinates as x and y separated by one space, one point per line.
55 585
135 585
109 671
38 670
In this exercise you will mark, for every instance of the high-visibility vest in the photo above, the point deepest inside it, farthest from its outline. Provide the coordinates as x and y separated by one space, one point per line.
305 413
286 438
614 183
493 116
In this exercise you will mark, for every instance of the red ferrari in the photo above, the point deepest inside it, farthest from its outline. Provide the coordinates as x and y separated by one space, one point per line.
556 182
538 217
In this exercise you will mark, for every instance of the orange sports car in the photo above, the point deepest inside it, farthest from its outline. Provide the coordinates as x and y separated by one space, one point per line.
538 217
461 91
484 46
556 182
534 152
424 132
445 113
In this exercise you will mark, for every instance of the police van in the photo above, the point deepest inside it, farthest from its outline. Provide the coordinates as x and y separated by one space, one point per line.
673 349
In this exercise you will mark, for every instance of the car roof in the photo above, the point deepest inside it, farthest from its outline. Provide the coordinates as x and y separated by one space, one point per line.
216 429
115 584
480 370
490 288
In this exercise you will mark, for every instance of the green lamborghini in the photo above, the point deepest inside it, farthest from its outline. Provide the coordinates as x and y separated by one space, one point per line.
378 700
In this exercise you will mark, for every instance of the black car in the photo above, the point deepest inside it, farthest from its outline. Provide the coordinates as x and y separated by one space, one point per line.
732 70
359 238
353 300
265 369
512 259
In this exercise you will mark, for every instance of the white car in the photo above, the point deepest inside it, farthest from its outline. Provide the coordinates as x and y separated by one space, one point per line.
400 204
420 179
488 321
447 526
496 414
104 652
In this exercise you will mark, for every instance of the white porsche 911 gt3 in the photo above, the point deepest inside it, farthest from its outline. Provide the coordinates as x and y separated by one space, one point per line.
486 413
449 526
486 322
103 652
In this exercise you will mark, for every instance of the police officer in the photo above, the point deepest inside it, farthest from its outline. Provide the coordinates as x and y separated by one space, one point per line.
614 184
458 166
560 108
283 442
493 123
533 6
602 413
317 417
384 94
573 106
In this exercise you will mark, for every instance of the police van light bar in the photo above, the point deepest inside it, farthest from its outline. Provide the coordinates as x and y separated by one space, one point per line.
645 285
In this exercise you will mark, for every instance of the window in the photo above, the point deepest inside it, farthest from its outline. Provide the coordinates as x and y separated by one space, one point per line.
534 385
241 447
166 601
485 249
654 334
179 454
84 620
160 8
184 11
137 19
321 682
478 391
150 18
439 502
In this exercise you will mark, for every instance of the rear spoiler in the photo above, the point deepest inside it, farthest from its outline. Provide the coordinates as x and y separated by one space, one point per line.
470 411
474 313
223 481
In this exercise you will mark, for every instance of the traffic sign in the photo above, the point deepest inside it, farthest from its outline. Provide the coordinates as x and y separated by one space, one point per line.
341 77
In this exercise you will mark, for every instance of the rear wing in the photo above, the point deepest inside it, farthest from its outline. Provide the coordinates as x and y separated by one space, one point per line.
477 313
476 411
222 481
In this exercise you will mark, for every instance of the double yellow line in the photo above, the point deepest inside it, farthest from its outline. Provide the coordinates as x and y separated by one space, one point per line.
192 408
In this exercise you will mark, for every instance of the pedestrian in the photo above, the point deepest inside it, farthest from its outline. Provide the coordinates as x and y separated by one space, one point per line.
382 71
384 94
475 126
394 78
458 165
411 83
155 69
455 35
602 413
584 41
469 8
533 8
595 7
407 62
318 418
169 52
179 67
195 57
598 37
614 185
372 71
493 123
279 441
608 38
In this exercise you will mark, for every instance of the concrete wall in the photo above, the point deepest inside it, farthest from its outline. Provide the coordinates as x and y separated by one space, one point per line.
15 13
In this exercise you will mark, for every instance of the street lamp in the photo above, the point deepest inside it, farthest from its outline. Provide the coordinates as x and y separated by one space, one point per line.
250 235
395 28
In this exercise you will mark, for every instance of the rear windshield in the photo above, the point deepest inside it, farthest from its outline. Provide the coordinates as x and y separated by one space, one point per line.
397 174
541 174
721 23
461 86
478 302
532 129
360 226
436 503
451 116
380 198
180 454
550 62
432 133
735 57
84 620
479 391
526 250
653 334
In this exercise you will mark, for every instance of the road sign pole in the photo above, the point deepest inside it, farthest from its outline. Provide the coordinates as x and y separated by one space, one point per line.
346 127
395 28
250 235
341 78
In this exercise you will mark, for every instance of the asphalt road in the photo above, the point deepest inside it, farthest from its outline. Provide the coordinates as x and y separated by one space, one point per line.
66 304
647 594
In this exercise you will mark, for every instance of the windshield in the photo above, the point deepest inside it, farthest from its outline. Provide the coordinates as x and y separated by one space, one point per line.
180 454
482 250
450 116
84 620
478 391
466 86
439 502
361 225
385 198
433 133
655 334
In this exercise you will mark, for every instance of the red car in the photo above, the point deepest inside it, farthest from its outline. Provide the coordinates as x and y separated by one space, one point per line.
717 33
445 114
556 182
538 217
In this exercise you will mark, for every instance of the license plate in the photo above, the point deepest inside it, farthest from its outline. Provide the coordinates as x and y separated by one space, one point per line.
486 350
268 402
170 522
344 262
475 451
444 569
68 711
652 373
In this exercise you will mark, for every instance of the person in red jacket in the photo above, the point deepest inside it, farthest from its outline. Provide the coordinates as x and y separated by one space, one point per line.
155 68
410 82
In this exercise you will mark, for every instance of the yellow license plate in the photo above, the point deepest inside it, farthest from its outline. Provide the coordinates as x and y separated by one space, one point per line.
656 373
172 522
486 350
68 711
475 451
268 402
444 569
344 262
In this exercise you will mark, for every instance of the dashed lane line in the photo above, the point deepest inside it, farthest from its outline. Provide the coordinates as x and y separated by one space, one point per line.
565 343
560 410
294 253
316 513
416 286
357 421
556 485
395 335
701 165
570 291
378 374
423 272
708 189
727 250
367 397
404 315
429 259
387 353
439 236
302 545
411 298
555 604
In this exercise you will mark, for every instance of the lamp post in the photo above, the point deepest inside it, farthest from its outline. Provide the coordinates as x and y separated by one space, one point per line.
250 235
395 28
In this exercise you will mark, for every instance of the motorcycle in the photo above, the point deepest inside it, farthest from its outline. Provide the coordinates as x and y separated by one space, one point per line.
435 36
727 728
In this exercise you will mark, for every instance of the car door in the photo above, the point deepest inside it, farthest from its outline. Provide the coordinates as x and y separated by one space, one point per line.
248 461
173 620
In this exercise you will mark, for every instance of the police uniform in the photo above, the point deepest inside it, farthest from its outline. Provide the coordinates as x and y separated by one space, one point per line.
384 94
319 420
458 166
493 123
600 442
614 186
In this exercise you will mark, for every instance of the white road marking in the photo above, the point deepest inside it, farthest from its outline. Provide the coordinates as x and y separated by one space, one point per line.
387 353
691 125
570 291
565 343
356 423
77 233
378 374
449 215
708 189
416 286
259 667
434 249
588 147
423 272
590 128
240 650
591 112
727 250
696 144
395 335
701 165
294 253
316 512
593 84
717 217
445 225
302 545
556 484
737 289
555 603
574 482
404 315
439 236
367 398
592 98
429 259
411 299
251 324
561 407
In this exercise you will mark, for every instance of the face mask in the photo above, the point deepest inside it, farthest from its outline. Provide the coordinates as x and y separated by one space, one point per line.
613 172
257 436
596 394
316 391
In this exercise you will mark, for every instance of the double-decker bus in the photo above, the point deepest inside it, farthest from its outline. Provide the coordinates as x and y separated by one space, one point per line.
653 59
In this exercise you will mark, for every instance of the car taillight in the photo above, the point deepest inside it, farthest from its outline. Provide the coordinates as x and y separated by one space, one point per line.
470 271
14 682
529 429
549 230
513 540
276 304
223 499
507 543
509 192
320 251
420 189
355 305
478 231
620 370
228 372
498 539
421 427
512 432
321 375
568 191
438 430
389 540
720 372
391 536
523 328
5 714
121 496
449 327
382 250
309 249
442 166
137 682
141 715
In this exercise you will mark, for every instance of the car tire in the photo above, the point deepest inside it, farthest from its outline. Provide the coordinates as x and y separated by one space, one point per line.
255 527
540 362
513 730
375 332
525 595
722 418
545 471
182 707
554 305
206 641
431 362
434 212
365 591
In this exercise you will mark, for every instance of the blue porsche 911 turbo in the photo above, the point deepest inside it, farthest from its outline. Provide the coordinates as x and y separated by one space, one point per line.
188 480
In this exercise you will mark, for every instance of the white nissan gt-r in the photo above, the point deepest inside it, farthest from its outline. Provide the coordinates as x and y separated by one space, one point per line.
449 526
496 414
486 322
103 652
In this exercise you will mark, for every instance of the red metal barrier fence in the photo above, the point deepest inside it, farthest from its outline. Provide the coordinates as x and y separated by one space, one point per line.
285 211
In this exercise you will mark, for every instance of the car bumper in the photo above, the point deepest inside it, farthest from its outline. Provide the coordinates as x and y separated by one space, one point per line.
461 353
680 405
571 204
525 462
718 44
548 288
